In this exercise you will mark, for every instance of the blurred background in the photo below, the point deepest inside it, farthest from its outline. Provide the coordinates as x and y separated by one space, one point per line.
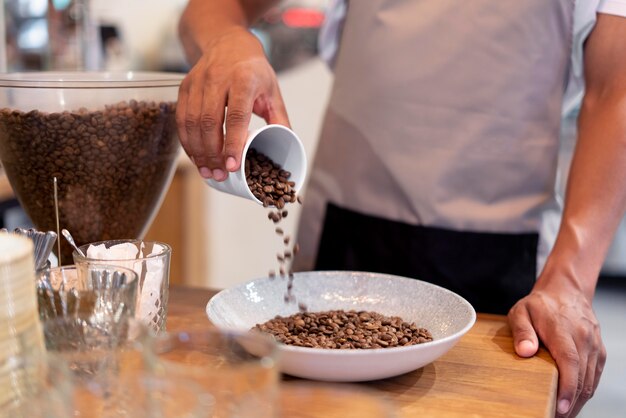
220 240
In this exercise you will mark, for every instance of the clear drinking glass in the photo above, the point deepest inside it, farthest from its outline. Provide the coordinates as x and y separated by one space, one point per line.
150 260
98 351
106 293
142 395
35 386
239 369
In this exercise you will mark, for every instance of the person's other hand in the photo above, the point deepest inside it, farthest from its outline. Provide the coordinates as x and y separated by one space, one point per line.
561 316
231 80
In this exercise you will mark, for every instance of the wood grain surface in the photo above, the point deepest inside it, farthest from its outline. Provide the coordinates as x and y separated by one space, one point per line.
480 377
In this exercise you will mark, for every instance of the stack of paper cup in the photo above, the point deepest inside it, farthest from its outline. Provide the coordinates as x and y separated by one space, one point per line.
20 329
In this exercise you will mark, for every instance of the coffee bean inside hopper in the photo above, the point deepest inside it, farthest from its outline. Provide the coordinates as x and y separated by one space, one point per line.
110 163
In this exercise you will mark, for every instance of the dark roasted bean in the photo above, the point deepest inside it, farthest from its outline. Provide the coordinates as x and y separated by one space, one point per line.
261 170
341 329
103 192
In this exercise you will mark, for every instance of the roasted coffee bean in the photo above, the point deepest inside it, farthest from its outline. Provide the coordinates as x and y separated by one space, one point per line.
269 183
110 164
276 189
343 329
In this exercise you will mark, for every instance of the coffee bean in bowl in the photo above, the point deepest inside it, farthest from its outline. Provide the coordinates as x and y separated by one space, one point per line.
344 330
445 315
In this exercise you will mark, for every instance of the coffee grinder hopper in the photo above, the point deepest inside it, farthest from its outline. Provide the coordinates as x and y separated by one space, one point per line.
109 139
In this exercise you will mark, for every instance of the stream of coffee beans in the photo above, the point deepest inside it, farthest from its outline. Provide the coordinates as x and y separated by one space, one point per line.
269 183
330 329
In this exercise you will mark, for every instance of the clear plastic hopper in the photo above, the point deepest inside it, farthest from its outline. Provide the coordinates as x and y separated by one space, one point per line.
109 139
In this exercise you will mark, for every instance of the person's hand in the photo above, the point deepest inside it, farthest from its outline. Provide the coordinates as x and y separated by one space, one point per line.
230 81
561 316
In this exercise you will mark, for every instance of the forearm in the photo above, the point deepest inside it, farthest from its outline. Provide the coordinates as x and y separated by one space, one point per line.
595 198
206 20
596 192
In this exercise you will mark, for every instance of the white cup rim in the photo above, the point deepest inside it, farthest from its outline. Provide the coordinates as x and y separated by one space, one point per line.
236 183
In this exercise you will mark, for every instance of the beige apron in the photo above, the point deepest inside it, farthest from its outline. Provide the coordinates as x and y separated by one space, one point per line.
444 113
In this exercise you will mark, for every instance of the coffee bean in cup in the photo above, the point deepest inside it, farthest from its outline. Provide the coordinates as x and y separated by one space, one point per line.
267 181
339 329
111 166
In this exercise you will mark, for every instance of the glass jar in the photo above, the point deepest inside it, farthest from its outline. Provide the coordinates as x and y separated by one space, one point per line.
99 146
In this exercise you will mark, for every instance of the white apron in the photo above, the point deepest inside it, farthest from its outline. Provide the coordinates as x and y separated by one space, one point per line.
444 114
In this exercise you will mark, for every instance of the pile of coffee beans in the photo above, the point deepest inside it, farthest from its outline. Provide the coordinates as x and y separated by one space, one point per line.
267 181
344 330
111 166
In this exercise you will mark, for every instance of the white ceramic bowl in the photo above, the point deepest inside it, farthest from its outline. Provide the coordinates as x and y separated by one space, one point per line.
445 314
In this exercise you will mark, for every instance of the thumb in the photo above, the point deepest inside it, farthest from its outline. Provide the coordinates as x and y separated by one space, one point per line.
525 339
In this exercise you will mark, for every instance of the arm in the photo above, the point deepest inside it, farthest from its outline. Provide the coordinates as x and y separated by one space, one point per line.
559 309
230 79
204 20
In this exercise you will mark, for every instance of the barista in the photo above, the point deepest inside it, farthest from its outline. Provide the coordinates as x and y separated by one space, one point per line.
437 158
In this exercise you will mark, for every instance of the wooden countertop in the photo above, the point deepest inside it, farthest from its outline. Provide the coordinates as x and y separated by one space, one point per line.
481 376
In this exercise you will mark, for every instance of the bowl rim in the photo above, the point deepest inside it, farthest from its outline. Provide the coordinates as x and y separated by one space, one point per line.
90 79
360 352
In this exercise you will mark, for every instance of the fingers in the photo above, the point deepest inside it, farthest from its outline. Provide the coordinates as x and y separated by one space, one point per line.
525 339
278 112
587 387
200 118
240 103
272 110
216 102
567 326
210 141
181 112
561 346
593 372
568 362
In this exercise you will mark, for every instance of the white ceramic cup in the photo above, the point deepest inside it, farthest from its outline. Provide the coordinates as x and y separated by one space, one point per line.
282 146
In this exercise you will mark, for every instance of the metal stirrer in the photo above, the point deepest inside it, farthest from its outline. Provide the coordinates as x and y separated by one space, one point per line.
69 239
56 210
